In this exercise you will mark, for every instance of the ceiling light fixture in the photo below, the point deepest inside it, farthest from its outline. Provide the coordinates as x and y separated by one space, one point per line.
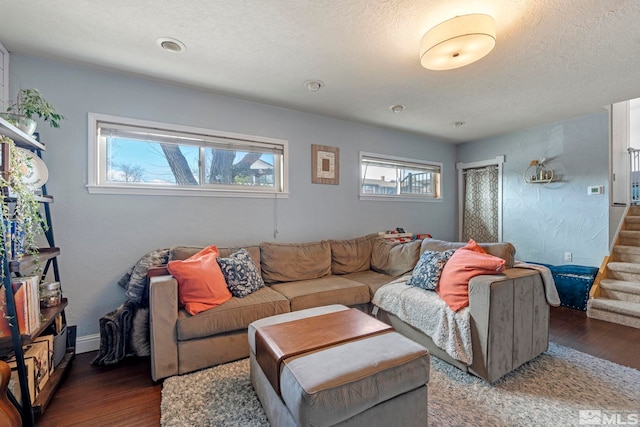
397 108
458 124
172 45
458 42
313 85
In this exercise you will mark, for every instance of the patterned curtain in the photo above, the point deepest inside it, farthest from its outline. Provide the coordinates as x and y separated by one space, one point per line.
480 221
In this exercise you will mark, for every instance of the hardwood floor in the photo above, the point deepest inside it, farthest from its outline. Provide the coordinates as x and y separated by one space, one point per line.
124 395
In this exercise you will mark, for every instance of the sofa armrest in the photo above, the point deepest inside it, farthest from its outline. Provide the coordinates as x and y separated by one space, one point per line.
163 316
509 321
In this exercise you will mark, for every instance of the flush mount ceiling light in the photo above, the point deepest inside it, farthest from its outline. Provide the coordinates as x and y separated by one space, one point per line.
172 45
313 85
458 42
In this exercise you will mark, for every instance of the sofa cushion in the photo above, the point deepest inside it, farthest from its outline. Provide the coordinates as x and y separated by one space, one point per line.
184 252
289 262
428 270
351 256
233 315
323 291
241 274
395 258
504 250
372 279
201 284
464 264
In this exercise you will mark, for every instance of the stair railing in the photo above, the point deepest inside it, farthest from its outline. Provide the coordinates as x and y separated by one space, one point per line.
634 179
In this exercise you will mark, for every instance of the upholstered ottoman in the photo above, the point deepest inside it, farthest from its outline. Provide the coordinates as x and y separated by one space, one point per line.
374 380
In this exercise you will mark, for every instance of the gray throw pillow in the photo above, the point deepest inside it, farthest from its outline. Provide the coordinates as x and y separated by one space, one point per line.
426 274
241 273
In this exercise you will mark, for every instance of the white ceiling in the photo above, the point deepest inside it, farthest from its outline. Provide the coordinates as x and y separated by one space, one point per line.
554 59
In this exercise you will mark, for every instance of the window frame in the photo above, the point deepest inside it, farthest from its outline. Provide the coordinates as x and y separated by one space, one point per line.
97 183
408 162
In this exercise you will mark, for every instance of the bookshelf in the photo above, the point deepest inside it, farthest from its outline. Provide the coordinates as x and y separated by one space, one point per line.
13 268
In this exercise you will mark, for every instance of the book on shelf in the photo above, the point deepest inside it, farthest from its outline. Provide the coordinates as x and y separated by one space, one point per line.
14 237
26 297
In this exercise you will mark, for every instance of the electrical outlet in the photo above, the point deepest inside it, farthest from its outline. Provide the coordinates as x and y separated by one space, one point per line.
568 256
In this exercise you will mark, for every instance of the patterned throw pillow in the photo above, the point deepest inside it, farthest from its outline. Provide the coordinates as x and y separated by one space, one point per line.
241 273
427 271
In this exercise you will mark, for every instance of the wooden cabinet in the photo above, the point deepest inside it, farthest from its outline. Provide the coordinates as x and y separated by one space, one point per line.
47 259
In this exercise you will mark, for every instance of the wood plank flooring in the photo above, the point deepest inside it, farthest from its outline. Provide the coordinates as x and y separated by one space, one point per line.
125 395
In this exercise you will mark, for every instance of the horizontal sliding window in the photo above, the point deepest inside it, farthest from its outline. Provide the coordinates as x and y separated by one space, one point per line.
392 178
147 157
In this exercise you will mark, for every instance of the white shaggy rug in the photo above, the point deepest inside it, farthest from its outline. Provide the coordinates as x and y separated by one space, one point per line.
560 387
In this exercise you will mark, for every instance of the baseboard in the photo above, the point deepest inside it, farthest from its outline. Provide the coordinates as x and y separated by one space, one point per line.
87 343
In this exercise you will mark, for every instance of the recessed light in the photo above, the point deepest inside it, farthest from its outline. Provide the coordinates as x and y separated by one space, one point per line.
170 44
313 85
397 108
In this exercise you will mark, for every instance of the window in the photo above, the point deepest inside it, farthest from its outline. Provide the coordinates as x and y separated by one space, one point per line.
393 178
141 157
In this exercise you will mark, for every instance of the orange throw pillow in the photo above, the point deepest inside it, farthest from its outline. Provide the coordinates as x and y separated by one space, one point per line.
464 264
473 246
201 284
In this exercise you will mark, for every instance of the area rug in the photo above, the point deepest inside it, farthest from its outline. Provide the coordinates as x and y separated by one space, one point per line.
560 387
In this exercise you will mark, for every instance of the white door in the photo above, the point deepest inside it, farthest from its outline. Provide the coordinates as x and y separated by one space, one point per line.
619 157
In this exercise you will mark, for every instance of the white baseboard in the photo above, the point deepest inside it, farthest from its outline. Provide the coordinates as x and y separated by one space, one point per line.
87 343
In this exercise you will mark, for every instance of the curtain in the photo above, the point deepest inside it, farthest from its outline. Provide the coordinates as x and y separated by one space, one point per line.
480 220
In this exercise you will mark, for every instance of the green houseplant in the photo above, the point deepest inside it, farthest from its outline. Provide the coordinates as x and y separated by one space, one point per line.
30 104
21 206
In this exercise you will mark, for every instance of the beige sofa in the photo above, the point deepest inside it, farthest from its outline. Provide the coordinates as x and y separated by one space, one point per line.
507 331
297 276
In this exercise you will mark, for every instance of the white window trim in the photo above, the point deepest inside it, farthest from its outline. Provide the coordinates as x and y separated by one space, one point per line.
95 161
498 161
396 198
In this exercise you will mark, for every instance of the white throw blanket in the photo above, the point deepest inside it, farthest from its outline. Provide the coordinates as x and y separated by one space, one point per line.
427 312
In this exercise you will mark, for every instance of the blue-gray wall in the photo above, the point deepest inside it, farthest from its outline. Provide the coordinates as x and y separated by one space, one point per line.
101 236
544 222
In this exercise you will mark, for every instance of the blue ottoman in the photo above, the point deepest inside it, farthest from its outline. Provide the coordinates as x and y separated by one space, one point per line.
573 283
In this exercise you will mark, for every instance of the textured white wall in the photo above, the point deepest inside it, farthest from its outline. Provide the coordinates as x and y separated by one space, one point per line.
544 222
101 236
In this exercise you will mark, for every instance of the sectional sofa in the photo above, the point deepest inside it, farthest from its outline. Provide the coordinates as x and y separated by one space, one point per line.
306 275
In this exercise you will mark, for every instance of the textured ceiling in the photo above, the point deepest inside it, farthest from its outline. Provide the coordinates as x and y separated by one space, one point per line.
554 59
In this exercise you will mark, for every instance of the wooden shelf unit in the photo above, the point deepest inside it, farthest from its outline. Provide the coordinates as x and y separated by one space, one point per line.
24 265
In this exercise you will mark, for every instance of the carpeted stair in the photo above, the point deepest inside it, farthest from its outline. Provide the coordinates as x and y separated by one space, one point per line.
618 296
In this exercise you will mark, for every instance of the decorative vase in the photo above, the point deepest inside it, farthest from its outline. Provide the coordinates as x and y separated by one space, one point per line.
23 123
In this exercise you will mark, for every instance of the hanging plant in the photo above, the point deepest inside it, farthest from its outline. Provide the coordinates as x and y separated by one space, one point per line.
21 205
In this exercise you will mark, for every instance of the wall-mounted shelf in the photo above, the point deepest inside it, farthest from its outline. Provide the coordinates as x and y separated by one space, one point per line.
538 173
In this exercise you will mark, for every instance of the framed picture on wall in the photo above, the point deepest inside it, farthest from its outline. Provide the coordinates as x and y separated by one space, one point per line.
325 164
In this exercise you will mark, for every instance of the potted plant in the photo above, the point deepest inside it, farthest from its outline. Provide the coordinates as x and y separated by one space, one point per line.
21 207
29 104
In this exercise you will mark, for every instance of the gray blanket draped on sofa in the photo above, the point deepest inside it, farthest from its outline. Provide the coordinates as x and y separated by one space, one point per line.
125 330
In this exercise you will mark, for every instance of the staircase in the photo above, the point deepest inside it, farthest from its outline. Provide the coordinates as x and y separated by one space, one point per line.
615 295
